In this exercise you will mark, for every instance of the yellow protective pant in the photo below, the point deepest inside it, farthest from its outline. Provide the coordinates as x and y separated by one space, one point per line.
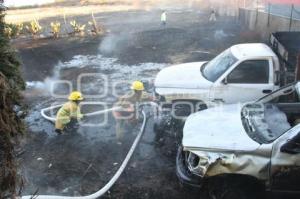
67 112
122 127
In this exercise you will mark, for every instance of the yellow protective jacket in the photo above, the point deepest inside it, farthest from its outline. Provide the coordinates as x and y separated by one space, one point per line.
68 111
128 103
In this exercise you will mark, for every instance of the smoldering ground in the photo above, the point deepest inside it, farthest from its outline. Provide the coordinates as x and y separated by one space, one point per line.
136 47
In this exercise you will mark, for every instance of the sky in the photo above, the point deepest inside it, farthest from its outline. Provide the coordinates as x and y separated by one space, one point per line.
297 2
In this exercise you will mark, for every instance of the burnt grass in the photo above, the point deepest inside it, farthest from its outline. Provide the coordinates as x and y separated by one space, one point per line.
84 159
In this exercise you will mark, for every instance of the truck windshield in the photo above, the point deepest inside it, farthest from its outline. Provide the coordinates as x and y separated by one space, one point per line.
264 122
216 67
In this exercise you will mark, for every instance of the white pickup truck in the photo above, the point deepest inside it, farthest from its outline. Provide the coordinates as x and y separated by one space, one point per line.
240 150
241 73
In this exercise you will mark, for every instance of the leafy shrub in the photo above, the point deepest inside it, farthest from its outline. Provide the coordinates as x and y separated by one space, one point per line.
77 28
34 27
13 30
11 83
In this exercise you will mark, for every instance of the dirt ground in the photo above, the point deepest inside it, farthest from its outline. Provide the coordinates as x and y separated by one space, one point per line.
136 47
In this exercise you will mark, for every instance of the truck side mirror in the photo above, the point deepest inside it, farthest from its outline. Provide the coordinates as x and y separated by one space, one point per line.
224 81
292 146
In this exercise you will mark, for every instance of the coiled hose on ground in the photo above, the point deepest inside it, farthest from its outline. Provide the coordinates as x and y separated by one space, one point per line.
116 176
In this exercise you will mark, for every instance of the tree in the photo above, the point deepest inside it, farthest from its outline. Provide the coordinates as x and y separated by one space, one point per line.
11 83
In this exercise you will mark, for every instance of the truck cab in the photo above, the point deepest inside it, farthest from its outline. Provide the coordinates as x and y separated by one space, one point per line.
241 73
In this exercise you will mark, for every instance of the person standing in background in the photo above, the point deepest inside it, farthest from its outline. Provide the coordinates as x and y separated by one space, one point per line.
212 17
163 18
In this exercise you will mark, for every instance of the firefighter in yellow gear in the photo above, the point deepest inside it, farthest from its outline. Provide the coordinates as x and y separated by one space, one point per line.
126 116
68 112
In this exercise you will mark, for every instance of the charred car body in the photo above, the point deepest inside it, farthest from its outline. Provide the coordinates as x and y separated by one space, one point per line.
258 141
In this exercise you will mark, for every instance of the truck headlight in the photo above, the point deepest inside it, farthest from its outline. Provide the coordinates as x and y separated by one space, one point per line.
197 165
203 161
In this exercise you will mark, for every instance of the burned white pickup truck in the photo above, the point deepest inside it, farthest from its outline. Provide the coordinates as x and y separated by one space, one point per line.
242 73
251 144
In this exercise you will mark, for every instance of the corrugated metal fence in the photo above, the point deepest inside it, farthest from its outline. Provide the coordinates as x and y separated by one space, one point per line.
266 22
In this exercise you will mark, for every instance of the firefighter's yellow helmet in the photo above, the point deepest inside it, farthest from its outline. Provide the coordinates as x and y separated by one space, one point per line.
75 96
138 86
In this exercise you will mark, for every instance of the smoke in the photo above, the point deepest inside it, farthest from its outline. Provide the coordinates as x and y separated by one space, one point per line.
111 43
45 87
100 65
219 35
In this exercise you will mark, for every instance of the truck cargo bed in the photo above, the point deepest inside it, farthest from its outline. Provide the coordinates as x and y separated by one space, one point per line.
287 46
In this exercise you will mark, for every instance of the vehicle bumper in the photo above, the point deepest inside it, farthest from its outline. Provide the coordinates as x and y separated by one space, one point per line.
184 175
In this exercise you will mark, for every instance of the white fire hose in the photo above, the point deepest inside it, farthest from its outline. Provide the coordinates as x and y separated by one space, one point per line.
52 119
112 181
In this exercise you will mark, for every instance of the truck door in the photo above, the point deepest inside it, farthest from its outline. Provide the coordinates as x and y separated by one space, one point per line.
285 162
250 80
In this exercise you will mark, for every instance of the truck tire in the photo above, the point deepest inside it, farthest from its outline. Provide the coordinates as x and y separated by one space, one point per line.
186 178
184 108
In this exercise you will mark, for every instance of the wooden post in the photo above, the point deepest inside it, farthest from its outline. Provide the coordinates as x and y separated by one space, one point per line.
291 18
256 18
65 21
95 23
94 20
269 13
238 10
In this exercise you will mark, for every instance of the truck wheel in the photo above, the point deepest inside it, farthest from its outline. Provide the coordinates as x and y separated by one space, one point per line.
185 108
186 178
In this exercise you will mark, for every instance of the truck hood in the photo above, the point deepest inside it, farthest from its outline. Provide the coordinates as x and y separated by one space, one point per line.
219 129
182 76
